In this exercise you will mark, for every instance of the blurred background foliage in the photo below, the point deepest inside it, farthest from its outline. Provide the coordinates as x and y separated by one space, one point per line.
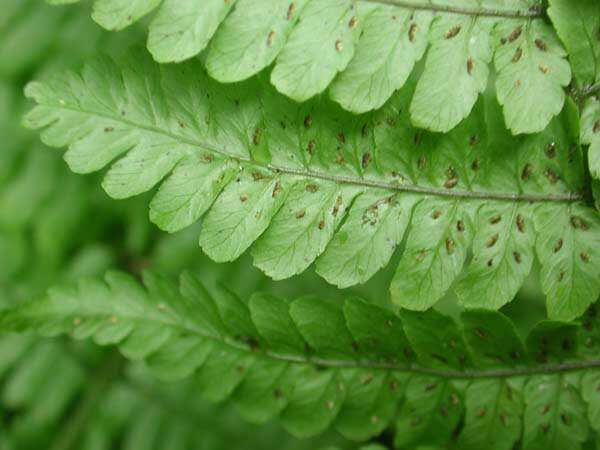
56 227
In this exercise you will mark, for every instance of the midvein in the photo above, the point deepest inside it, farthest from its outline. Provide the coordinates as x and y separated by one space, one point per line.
342 179
463 10
570 366
189 328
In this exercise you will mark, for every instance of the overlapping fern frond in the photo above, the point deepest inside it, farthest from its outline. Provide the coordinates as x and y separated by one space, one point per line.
356 367
362 51
308 183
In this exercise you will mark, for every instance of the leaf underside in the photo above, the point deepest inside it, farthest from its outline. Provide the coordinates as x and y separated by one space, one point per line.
363 51
303 184
422 373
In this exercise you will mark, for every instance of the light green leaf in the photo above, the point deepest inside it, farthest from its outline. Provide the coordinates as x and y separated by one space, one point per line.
195 186
435 253
182 28
577 25
380 220
532 74
251 37
456 72
590 134
240 215
365 50
568 250
502 256
118 14
320 46
391 42
302 228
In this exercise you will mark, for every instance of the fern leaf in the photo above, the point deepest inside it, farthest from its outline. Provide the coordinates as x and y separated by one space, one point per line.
181 30
459 56
416 423
391 43
362 51
307 64
503 243
387 218
559 409
563 421
119 14
590 134
532 73
576 24
494 406
435 253
130 410
565 230
264 26
368 367
590 382
493 415
299 184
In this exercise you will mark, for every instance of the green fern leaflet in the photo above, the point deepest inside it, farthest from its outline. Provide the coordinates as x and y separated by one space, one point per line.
366 369
362 51
303 184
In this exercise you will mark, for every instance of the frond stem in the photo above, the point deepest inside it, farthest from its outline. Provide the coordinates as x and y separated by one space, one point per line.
240 345
569 366
590 90
341 179
516 371
532 12
439 192
467 373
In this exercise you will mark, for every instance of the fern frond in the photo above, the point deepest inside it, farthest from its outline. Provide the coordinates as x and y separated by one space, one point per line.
300 183
365 367
590 134
363 51
577 25
95 400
